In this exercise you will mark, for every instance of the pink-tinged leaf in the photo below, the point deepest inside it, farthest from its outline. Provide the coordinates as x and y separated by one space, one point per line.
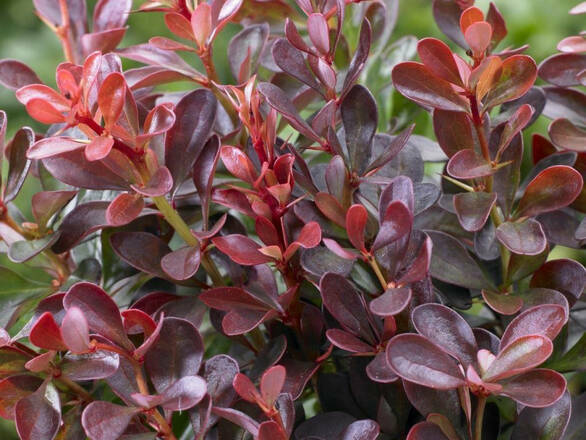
75 330
416 359
426 431
183 394
151 335
522 237
41 363
47 334
271 430
181 264
573 44
466 164
550 422
99 148
416 82
201 23
499 27
520 355
246 389
38 415
14 388
439 59
478 36
518 73
565 276
106 421
347 341
335 247
52 146
44 93
501 303
545 320
453 131
309 236
158 185
568 136
392 302
14 74
137 321
536 389
266 231
271 384
100 311
110 14
469 17
229 298
317 28
105 41
356 218
141 250
419 268
473 209
552 189
562 69
167 363
124 208
238 418
447 329
195 115
379 370
514 125
241 249
179 25
396 223
485 75
238 164
241 321
361 430
331 208
44 112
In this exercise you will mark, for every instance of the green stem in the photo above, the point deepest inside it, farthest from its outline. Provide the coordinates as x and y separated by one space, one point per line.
479 418
175 220
77 389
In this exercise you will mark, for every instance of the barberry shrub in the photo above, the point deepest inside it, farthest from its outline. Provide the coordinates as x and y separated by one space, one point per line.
278 256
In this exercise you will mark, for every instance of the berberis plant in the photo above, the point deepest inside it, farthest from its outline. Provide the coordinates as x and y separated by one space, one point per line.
277 256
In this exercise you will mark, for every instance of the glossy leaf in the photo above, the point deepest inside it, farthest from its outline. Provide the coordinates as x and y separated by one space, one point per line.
473 209
568 136
525 237
75 330
518 73
47 334
104 420
241 249
566 276
537 388
18 163
547 423
392 302
546 320
439 59
36 416
182 263
397 222
360 118
356 218
124 208
426 431
466 164
141 250
416 359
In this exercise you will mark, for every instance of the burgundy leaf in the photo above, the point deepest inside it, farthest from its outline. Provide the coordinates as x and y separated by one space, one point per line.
99 364
159 184
546 320
14 74
417 83
379 370
522 237
271 384
416 359
447 329
426 431
241 249
466 164
473 209
183 394
141 250
204 170
182 263
14 388
18 163
38 416
361 430
396 223
105 420
439 59
124 208
536 389
356 218
567 135
565 276
75 330
518 73
502 303
47 334
238 164
100 311
552 189
347 341
392 302
549 422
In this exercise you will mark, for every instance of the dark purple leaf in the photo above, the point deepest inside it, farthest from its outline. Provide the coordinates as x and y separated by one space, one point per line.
182 263
426 430
204 170
347 341
473 209
568 136
18 163
158 185
98 365
38 415
562 69
141 250
467 164
361 430
392 302
537 388
360 56
292 61
378 370
524 237
241 249
565 276
183 394
544 423
546 320
106 421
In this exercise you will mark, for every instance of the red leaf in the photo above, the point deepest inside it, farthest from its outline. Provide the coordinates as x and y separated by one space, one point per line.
44 112
466 164
246 389
270 430
392 302
271 384
309 236
124 208
518 73
347 341
419 268
158 185
417 83
552 189
137 321
453 131
201 23
331 208
546 320
179 25
416 359
229 298
567 135
99 148
238 164
356 218
522 237
111 97
536 389
501 303
241 249
397 222
439 59
426 431
518 356
75 330
44 93
14 388
470 16
46 334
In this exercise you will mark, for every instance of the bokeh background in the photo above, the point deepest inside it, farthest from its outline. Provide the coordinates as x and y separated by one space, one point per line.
539 23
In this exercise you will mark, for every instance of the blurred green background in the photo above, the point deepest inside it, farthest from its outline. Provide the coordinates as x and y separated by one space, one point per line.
539 23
